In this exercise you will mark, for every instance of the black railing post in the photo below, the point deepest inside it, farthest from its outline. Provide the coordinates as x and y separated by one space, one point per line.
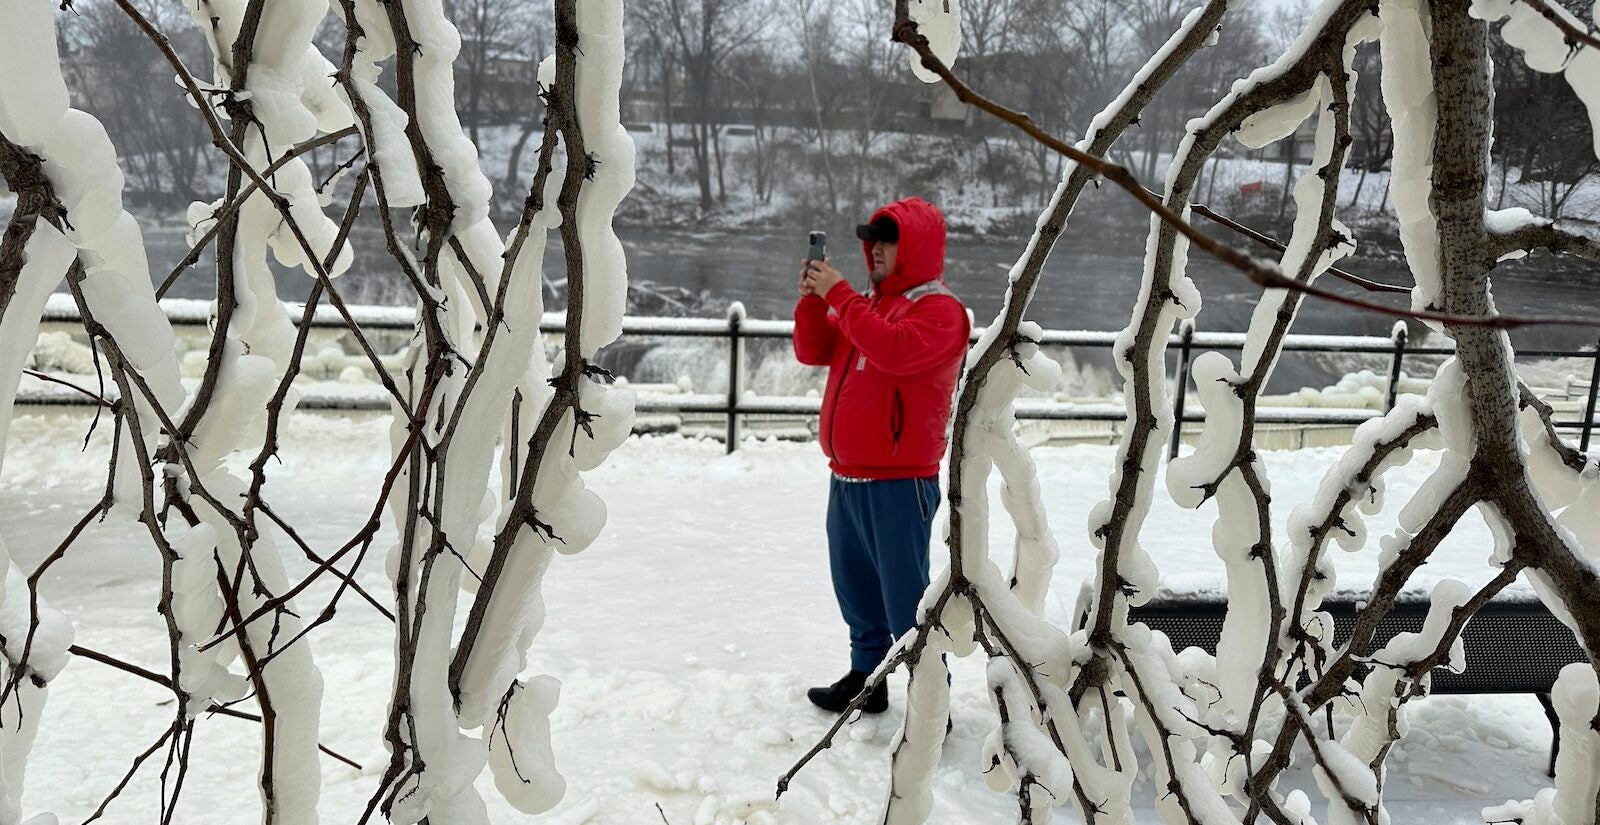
735 315
1186 341
1588 410
1399 338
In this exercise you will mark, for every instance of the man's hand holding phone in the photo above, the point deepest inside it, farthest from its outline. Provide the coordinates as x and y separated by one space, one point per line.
818 277
805 277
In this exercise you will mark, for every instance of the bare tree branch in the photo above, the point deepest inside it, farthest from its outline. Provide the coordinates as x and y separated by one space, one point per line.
1263 273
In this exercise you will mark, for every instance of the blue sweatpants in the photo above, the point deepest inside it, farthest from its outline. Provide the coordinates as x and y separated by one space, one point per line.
878 551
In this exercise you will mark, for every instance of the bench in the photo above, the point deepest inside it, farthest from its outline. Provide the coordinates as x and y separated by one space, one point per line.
1513 645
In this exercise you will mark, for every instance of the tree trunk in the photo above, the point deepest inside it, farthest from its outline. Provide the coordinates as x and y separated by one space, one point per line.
666 102
1288 176
759 177
1460 156
702 160
513 170
700 98
716 147
1355 200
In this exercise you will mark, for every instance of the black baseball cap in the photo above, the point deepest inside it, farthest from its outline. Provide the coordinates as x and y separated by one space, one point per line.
882 230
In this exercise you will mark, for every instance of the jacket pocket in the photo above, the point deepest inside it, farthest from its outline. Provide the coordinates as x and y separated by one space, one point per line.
928 492
897 420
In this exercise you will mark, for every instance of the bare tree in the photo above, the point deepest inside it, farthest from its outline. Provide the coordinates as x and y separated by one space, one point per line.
1369 120
703 35
866 103
474 391
816 51
1070 706
755 74
495 37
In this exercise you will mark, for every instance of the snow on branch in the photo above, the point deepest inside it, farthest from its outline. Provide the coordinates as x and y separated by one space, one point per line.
463 401
1518 233
69 221
1553 40
1221 733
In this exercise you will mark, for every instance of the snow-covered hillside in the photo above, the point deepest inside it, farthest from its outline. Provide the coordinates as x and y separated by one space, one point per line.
953 172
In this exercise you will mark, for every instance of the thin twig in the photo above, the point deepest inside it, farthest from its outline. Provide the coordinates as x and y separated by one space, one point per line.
152 676
43 376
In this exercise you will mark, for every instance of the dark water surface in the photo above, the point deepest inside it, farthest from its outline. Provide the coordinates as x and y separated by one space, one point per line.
1090 282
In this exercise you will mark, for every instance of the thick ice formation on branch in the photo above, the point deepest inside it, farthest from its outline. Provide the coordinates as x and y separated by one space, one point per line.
1349 490
48 254
575 514
386 142
81 164
508 381
1408 95
1545 48
940 22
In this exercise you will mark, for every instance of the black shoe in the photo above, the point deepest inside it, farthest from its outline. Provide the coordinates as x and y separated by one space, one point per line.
836 697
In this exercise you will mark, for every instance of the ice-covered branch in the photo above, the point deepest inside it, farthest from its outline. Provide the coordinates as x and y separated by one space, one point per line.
1225 462
68 220
1426 521
1351 488
579 418
1588 34
1519 233
219 215
1570 456
1281 89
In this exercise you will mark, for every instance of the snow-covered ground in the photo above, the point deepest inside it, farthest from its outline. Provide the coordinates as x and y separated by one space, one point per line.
684 639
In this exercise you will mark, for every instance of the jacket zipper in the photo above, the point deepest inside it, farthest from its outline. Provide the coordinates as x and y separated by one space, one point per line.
838 389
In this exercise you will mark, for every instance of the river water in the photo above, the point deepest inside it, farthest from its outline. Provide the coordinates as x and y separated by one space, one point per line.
1090 283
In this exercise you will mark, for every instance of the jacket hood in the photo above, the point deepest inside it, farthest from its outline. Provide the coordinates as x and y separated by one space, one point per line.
920 256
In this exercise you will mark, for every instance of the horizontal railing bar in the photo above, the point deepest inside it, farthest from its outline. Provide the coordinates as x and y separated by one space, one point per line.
193 312
709 404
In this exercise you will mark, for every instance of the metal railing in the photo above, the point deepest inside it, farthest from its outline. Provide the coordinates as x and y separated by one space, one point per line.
736 329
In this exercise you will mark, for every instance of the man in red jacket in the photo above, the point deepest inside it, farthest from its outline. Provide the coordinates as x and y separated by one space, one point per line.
893 357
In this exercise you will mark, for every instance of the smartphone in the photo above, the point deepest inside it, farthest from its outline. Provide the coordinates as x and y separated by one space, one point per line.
819 246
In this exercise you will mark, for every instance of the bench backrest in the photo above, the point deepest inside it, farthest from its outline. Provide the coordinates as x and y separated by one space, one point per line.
1512 646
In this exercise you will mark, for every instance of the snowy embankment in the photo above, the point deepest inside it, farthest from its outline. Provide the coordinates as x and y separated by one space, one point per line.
951 170
684 639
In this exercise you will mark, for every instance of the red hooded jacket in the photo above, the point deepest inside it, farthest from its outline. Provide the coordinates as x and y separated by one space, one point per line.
893 358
